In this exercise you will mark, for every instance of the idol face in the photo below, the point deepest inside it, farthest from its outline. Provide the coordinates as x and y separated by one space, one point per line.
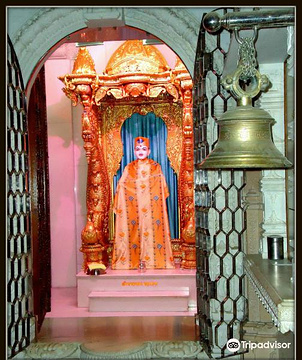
141 152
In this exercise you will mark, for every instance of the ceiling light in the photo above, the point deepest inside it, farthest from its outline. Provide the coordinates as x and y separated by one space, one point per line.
83 44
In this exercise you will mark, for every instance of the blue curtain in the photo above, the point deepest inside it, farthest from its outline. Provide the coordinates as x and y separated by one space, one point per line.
155 129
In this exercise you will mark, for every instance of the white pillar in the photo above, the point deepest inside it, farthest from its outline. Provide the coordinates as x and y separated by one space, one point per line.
273 181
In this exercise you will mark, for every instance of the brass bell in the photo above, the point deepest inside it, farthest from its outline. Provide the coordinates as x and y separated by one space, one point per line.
245 137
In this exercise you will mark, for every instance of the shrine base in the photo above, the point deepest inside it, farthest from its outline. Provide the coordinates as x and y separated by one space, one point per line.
152 291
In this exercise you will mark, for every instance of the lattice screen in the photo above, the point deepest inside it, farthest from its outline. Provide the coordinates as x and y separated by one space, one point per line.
20 319
220 214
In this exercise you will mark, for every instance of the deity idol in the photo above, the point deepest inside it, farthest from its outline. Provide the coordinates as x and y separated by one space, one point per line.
142 231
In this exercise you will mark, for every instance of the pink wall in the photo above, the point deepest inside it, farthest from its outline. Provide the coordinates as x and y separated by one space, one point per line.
67 160
61 177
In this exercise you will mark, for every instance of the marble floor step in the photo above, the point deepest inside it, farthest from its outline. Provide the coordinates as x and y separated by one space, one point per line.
144 300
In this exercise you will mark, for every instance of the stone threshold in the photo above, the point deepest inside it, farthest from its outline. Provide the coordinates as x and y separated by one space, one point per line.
93 350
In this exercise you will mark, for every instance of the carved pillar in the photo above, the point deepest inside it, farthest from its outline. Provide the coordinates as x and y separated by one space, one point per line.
81 86
95 234
186 188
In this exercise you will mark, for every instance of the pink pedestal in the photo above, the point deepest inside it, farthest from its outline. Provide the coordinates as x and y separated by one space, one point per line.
130 291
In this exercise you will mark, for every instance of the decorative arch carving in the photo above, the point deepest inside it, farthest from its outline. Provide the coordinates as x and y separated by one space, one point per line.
48 26
110 98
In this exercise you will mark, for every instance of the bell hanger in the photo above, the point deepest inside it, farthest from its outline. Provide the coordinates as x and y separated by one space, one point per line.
245 138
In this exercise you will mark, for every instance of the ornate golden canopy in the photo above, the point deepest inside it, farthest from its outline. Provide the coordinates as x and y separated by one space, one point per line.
134 57
136 79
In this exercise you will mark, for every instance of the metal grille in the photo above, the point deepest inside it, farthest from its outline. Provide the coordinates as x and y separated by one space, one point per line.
19 297
220 214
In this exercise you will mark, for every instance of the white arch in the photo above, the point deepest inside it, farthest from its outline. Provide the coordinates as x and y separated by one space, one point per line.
47 27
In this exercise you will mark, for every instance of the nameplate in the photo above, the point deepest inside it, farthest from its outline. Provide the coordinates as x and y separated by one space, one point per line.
139 283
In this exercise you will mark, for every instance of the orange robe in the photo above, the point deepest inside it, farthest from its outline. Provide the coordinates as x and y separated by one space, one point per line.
142 226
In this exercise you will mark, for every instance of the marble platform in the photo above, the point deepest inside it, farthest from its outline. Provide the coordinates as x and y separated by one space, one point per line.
153 291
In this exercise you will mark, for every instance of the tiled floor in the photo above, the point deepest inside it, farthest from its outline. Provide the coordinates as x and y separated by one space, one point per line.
107 333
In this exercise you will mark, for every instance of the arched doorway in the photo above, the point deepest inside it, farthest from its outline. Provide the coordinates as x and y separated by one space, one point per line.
48 38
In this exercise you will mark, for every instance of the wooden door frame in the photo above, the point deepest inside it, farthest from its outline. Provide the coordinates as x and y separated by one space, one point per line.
39 189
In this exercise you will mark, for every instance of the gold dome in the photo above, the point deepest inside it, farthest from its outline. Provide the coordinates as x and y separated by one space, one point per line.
134 57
